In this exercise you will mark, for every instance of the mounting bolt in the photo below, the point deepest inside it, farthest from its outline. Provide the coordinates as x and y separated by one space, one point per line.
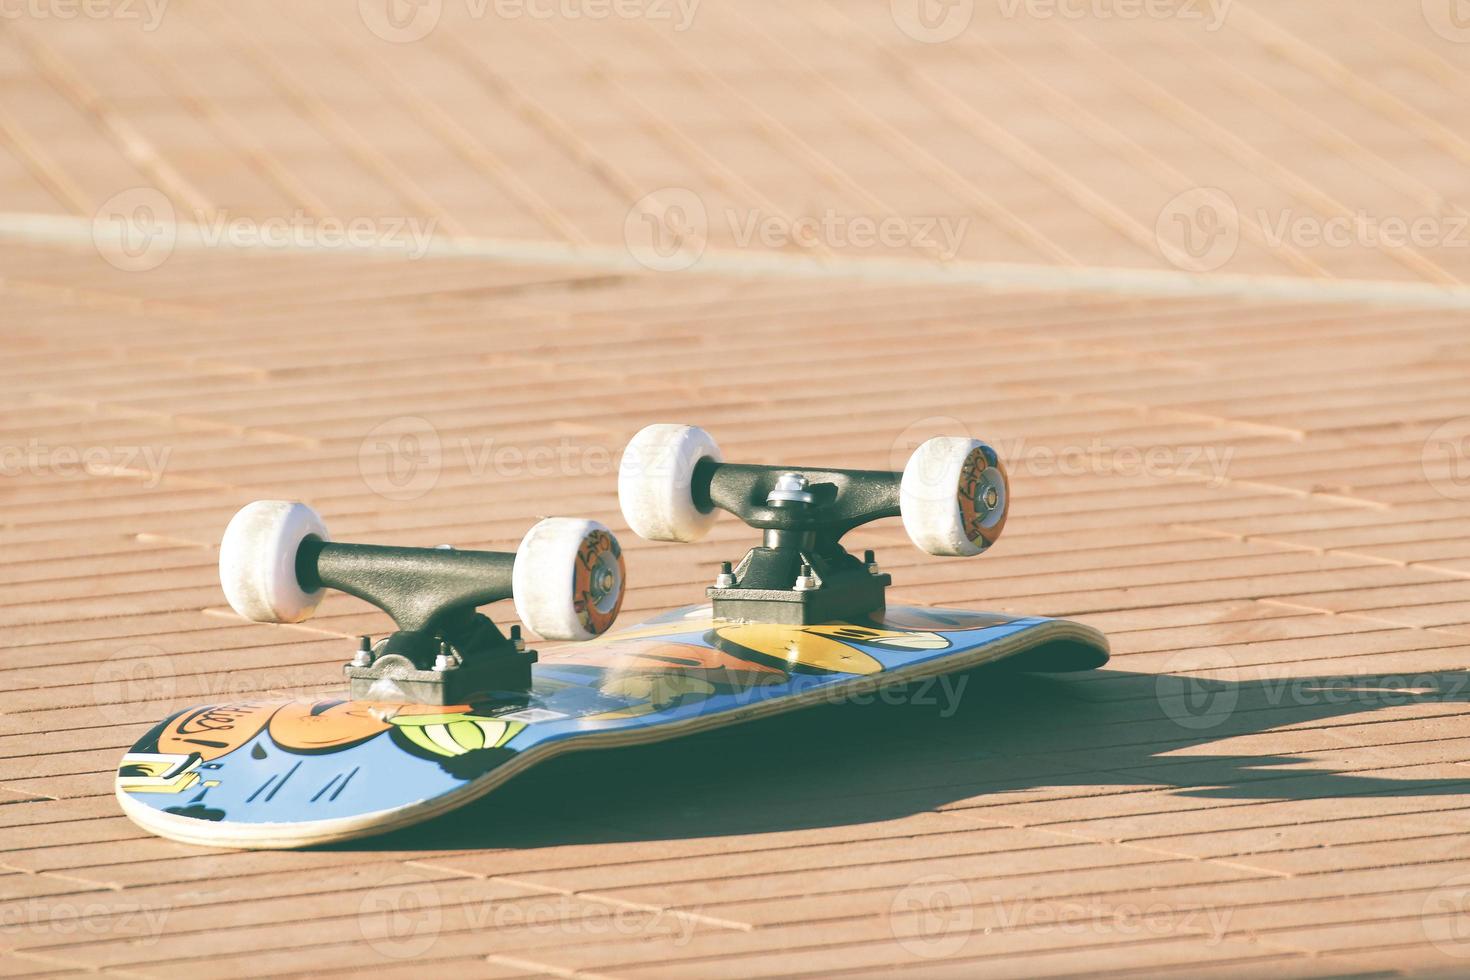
364 656
445 659
806 581
870 561
726 578
515 639
790 488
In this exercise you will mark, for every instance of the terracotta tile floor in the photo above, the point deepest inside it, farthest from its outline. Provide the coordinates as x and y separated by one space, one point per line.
1151 257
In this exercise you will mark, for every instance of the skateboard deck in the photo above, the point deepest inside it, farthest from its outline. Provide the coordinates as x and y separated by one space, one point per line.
293 773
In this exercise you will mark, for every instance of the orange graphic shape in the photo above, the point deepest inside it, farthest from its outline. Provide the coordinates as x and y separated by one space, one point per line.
215 729
320 726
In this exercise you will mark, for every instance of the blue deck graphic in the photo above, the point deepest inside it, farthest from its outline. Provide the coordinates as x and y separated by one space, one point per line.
303 761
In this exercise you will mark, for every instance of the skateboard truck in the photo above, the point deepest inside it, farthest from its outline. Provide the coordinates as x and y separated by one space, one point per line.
800 574
443 652
566 579
952 496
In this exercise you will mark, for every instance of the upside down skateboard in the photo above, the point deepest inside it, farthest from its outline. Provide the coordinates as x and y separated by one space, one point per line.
447 708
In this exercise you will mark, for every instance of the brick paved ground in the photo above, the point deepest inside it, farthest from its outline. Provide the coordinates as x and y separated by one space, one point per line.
1238 448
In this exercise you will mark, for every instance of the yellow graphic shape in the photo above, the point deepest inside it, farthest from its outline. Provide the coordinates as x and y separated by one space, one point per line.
826 647
895 639
148 772
455 734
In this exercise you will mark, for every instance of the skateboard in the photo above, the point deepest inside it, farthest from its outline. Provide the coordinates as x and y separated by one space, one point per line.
446 709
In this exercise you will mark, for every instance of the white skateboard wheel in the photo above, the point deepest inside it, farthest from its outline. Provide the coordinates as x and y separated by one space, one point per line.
655 480
257 561
567 581
954 496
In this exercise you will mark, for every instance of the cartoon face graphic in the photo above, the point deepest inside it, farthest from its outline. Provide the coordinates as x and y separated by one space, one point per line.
215 729
326 726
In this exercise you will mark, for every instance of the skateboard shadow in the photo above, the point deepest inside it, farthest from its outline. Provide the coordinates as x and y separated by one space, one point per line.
988 738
